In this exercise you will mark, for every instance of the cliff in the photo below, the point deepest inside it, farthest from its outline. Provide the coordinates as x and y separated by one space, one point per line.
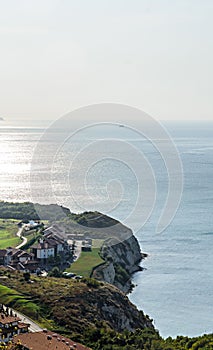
121 261
120 251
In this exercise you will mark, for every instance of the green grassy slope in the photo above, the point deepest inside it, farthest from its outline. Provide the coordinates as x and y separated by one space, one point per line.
87 261
8 230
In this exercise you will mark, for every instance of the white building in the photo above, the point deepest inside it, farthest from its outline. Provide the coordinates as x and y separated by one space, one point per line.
49 246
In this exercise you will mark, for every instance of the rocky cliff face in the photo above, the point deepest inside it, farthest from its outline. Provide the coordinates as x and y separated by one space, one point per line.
77 306
120 313
120 250
121 261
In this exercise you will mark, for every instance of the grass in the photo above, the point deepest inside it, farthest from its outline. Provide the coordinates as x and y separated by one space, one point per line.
23 300
8 230
11 298
87 261
97 243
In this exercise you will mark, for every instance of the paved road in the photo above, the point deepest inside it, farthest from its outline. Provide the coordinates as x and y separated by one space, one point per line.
78 245
24 239
33 326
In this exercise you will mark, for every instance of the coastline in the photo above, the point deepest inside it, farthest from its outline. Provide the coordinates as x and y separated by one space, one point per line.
122 260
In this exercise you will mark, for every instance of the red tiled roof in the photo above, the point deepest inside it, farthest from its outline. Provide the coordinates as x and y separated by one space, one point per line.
8 319
46 340
23 325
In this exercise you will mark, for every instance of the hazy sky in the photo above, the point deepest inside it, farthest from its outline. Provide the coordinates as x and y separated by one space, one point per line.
57 55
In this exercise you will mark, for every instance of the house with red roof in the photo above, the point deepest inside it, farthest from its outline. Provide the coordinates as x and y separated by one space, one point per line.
45 340
10 325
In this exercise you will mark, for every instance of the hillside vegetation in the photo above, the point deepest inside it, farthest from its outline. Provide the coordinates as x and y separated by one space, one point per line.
53 212
76 308
91 312
29 211
95 224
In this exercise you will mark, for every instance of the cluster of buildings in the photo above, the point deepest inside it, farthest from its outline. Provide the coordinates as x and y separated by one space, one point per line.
51 245
86 243
30 225
10 325
18 259
14 333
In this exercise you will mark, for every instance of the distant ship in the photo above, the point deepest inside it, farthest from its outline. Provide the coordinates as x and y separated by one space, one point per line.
121 126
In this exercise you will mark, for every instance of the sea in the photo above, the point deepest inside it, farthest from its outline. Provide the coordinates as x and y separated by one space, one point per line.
104 169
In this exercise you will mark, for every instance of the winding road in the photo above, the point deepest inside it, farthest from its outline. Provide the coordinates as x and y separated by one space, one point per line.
24 239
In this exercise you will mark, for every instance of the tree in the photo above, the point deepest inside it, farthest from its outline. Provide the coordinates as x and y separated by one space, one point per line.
55 272
26 276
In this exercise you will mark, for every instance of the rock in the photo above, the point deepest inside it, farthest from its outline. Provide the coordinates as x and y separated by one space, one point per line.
122 259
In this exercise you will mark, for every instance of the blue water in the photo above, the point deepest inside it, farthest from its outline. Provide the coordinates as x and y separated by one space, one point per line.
176 287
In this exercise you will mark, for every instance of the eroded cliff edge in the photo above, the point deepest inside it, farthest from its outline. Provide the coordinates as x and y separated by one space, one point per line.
122 259
120 250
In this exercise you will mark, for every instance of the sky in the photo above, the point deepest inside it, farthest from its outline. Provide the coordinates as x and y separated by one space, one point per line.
59 55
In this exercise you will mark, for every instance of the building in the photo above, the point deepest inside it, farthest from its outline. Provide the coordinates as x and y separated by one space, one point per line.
10 325
18 259
18 255
86 245
30 225
57 230
45 340
43 250
22 260
3 257
50 245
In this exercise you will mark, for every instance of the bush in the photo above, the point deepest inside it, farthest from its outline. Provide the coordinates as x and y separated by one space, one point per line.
122 275
55 272
26 276
91 282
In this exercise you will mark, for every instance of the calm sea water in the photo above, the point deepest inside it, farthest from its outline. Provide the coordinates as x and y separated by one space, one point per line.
176 287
